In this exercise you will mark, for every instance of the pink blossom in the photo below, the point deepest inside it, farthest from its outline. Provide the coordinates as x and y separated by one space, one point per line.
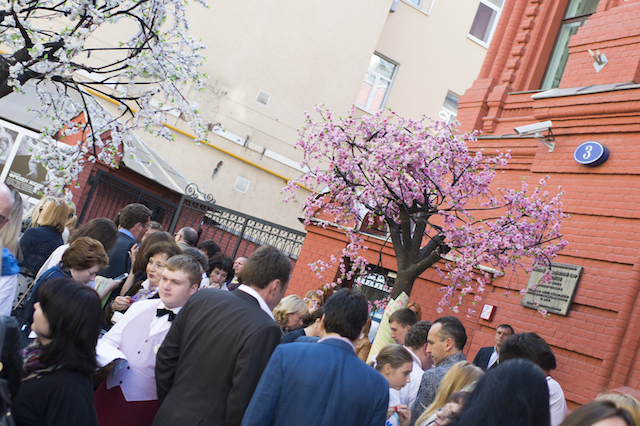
399 170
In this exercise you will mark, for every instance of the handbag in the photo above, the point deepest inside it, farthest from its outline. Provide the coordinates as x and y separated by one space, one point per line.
6 418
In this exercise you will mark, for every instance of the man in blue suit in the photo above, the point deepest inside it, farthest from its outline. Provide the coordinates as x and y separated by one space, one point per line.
322 383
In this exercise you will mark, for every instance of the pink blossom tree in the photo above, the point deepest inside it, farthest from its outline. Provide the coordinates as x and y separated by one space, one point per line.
434 194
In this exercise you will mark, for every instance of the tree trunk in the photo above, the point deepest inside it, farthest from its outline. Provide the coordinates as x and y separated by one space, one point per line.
403 282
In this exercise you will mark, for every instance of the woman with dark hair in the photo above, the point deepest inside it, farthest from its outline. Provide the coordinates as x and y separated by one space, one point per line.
599 413
139 263
220 268
515 393
101 229
157 255
56 388
80 262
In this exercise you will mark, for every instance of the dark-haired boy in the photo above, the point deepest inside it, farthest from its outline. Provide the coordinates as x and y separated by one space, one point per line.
534 348
416 343
400 322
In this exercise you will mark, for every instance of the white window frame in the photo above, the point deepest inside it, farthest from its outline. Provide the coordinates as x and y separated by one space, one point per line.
378 77
420 5
448 113
493 27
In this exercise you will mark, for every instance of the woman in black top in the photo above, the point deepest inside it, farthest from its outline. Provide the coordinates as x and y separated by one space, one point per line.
57 388
38 243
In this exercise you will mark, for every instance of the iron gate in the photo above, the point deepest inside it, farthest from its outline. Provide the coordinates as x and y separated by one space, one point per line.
237 234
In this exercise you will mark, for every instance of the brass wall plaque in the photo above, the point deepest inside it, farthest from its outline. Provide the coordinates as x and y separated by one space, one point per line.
556 296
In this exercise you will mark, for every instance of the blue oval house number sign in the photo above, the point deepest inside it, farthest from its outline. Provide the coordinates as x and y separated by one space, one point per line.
591 153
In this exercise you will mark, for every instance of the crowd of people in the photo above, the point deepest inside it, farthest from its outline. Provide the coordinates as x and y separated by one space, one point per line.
121 323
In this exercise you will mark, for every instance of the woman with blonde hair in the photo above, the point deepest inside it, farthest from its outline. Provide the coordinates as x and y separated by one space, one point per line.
11 255
32 215
38 243
10 232
623 400
415 308
72 221
460 375
315 299
289 313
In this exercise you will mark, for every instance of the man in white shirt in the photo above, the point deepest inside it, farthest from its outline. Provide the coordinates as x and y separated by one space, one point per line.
128 395
415 341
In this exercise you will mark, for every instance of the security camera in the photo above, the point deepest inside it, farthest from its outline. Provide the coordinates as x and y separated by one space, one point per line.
535 128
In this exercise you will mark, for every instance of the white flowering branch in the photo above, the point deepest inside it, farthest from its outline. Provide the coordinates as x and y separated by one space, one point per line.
145 73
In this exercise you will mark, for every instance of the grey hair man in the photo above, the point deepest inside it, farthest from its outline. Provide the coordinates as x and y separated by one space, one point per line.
186 237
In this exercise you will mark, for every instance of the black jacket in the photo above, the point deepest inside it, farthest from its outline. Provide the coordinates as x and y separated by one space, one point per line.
212 358
61 397
482 358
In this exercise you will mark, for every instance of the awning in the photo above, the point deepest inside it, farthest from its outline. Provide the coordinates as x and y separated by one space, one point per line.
141 159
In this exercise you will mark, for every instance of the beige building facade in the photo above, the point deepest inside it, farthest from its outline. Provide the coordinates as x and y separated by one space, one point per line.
268 62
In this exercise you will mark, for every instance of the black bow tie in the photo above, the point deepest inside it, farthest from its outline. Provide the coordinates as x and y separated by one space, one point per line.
163 312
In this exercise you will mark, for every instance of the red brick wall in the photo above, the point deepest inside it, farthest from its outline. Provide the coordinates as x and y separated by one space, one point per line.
597 344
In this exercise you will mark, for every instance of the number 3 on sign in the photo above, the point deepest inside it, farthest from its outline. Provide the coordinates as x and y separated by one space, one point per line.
591 153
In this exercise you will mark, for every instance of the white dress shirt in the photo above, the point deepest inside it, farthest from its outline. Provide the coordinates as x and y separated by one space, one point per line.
114 336
256 295
557 403
493 358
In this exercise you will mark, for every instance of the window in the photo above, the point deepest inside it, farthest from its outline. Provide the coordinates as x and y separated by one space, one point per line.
485 21
376 284
375 87
424 6
449 109
576 16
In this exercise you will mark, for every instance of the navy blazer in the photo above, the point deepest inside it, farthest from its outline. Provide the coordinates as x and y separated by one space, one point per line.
482 358
119 260
318 384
